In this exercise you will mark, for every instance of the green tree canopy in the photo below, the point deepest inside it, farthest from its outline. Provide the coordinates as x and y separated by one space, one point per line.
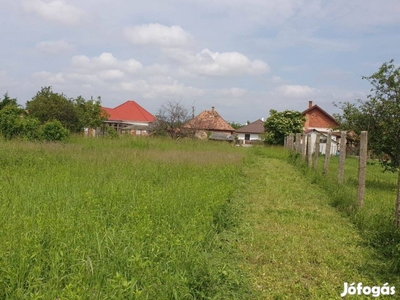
49 106
89 112
8 101
74 114
235 125
379 114
281 124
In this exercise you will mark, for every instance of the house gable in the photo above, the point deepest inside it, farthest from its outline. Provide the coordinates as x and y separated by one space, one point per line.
316 117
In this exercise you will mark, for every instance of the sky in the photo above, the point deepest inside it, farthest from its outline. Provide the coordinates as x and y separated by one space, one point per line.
242 57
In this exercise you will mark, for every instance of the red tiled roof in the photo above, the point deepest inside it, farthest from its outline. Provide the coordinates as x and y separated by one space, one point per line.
209 120
129 111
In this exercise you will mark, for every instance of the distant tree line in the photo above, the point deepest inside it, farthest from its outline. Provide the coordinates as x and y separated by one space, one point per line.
48 116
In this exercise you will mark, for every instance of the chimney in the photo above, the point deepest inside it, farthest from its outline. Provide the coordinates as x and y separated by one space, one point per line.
309 104
212 108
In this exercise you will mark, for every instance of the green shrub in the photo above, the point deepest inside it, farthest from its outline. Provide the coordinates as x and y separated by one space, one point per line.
54 131
9 117
111 132
29 129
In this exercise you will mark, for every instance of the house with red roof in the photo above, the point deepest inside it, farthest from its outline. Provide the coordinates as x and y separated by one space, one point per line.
319 121
129 117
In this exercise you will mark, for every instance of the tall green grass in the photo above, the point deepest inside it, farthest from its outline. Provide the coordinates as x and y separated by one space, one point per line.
127 218
375 220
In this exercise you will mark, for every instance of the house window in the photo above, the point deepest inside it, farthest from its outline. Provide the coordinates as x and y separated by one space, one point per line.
247 136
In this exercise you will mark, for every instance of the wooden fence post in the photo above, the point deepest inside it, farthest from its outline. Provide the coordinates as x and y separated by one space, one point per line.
291 141
362 167
285 142
342 157
327 153
316 151
298 142
309 151
304 147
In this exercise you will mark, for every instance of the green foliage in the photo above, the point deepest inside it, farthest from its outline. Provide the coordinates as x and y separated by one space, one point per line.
48 106
29 129
9 121
8 101
111 132
90 113
281 124
74 114
236 125
379 115
54 131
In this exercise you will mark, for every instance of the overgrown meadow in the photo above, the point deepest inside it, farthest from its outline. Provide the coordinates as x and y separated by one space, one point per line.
128 218
152 218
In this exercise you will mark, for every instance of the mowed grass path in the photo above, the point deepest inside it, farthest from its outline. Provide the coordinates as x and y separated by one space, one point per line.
295 245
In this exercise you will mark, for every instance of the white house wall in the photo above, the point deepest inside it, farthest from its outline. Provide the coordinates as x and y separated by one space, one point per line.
253 136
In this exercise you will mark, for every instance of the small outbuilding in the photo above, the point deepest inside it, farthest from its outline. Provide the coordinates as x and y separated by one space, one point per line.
251 132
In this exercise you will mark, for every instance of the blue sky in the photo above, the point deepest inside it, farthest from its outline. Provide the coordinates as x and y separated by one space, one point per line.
242 57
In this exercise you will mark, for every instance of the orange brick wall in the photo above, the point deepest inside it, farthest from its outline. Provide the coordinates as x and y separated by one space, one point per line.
315 118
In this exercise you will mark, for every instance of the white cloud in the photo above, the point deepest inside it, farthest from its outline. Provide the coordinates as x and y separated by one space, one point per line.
49 78
57 11
54 47
167 91
158 35
233 92
295 91
105 62
218 64
111 74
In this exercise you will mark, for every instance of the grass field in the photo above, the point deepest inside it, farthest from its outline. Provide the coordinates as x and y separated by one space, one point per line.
144 218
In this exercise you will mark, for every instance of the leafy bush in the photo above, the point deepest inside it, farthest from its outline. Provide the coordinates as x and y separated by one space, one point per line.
54 131
9 117
111 132
29 129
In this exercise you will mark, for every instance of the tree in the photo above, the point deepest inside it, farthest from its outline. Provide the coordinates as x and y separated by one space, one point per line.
90 113
9 121
380 116
8 101
170 119
281 124
235 125
50 106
